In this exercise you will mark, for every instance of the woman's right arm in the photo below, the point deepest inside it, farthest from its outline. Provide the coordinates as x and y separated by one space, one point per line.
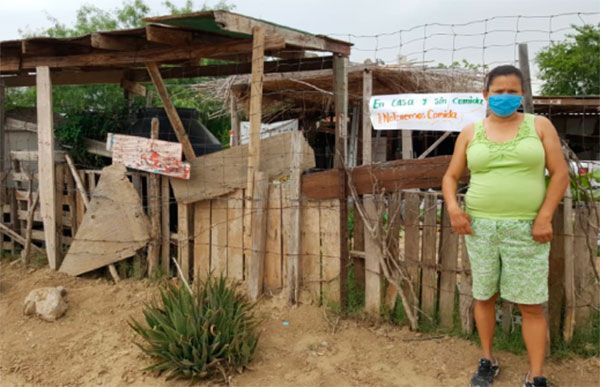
461 222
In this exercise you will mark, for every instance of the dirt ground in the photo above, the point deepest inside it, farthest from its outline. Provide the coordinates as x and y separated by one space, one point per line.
93 345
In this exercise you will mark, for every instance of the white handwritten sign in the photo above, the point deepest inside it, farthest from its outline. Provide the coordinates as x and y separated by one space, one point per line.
439 111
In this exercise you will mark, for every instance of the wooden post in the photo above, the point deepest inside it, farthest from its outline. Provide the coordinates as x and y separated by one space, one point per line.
448 256
235 121
259 235
172 114
154 209
294 220
429 280
48 199
184 251
166 226
373 253
557 273
340 95
569 319
407 144
256 196
524 67
32 202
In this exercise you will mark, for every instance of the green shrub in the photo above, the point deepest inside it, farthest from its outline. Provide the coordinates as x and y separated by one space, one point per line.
210 332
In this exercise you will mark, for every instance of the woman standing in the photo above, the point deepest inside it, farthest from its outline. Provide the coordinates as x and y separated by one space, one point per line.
508 219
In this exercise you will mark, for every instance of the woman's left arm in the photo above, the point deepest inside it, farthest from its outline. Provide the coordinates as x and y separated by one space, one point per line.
559 179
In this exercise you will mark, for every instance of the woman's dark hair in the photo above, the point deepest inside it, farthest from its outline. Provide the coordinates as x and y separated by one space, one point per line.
500 71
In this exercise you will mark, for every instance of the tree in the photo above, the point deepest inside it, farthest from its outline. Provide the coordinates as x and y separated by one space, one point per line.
572 67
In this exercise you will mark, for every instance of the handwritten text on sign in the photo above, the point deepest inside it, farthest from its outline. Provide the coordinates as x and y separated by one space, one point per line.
154 156
440 111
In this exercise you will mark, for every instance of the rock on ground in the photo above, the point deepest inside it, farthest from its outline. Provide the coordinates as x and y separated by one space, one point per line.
48 303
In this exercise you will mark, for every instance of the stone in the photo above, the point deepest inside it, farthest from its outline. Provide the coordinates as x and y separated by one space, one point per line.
48 303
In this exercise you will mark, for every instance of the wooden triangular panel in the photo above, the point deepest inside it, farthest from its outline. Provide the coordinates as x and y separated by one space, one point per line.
113 228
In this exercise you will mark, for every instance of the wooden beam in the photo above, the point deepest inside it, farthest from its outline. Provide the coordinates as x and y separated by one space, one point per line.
47 188
154 209
524 67
390 176
570 296
235 131
256 262
340 87
130 58
18 125
133 87
18 238
116 42
256 87
184 226
293 220
32 204
172 114
71 77
367 130
168 35
165 226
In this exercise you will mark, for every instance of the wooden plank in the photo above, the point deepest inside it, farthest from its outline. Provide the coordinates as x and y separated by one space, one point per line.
16 237
150 155
524 67
569 316
96 147
114 227
556 273
448 256
47 175
256 89
71 191
12 124
172 114
389 177
428 261
184 233
235 121
585 247
340 95
32 205
329 229
292 240
133 87
131 58
367 146
168 35
412 239
258 236
79 201
202 243
273 276
407 144
373 257
112 42
154 210
235 232
223 172
465 294
218 236
310 249
165 226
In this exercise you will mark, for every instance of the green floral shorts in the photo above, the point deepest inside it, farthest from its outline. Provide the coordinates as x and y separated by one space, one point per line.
504 257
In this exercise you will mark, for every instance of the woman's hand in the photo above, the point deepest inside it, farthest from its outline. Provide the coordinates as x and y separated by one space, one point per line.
541 231
460 221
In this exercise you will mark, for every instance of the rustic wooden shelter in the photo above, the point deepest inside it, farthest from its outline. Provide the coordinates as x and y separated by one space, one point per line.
167 47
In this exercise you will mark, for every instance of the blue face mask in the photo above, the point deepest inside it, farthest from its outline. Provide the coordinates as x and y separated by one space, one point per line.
503 105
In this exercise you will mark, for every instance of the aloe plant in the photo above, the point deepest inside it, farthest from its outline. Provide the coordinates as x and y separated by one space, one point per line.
206 333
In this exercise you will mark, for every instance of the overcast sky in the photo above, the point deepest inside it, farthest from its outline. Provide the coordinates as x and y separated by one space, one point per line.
360 17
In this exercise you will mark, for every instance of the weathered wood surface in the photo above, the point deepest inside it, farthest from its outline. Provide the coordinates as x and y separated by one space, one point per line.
113 228
448 256
390 176
150 155
222 172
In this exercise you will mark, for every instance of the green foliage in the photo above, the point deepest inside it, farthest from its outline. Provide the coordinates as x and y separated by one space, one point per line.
572 67
464 65
356 294
204 334
582 188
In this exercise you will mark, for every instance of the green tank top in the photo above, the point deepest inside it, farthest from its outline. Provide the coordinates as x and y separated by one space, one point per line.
507 179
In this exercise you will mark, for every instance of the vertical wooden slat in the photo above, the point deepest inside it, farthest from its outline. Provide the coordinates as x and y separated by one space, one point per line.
585 242
260 199
569 318
48 199
448 266
59 185
329 228
465 298
218 240
273 254
412 238
183 239
79 200
310 249
340 96
557 272
429 282
235 246
373 255
165 226
154 210
71 194
202 246
14 218
507 316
